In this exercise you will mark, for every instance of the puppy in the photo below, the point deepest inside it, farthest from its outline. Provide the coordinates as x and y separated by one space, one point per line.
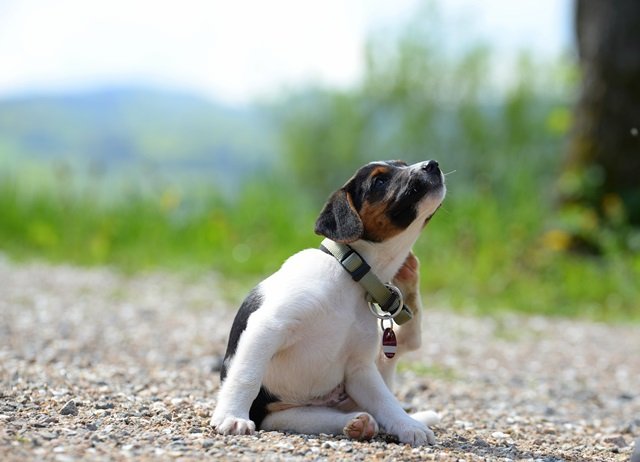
304 352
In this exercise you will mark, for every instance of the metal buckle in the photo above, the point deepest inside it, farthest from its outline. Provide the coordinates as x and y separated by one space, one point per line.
355 265
388 314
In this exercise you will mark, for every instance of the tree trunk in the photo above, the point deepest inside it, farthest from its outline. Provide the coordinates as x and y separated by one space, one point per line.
602 173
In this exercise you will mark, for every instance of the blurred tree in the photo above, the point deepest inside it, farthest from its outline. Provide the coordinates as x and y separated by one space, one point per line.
412 104
419 100
601 178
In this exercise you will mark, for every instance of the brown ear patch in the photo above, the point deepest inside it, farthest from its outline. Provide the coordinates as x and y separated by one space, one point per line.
379 170
376 223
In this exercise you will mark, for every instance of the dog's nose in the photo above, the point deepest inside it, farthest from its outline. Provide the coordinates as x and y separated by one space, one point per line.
431 166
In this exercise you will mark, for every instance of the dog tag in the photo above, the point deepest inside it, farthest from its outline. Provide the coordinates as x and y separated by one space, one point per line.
389 343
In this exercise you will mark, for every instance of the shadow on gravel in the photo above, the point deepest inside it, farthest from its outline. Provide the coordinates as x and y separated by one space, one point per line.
482 448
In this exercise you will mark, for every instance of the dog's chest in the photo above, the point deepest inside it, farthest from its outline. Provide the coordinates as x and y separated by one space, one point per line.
323 350
324 323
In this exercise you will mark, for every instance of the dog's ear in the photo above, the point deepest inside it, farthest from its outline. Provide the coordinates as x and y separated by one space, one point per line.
339 220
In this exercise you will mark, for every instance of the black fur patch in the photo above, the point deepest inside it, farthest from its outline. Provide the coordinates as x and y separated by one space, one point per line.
339 219
250 304
258 410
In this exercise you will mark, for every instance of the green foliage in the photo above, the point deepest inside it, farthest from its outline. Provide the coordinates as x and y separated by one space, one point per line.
421 369
484 253
250 234
414 104
494 245
491 255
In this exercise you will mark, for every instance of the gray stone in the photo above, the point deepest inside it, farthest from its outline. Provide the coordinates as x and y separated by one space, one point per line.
69 408
616 440
207 443
104 405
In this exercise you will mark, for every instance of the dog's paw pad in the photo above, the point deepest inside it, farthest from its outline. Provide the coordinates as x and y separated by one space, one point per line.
362 427
234 426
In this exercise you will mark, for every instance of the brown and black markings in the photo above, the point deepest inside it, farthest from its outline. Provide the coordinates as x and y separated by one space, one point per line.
378 202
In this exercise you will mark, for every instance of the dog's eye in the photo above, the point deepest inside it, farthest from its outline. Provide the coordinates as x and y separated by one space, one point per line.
379 181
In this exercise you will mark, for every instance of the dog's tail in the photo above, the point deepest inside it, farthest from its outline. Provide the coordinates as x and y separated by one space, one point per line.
428 418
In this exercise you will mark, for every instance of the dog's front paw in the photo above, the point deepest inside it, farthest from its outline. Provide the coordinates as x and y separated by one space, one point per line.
413 432
408 276
229 425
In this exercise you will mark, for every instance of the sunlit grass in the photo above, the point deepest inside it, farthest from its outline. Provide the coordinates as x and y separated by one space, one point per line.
483 252
244 235
421 369
497 244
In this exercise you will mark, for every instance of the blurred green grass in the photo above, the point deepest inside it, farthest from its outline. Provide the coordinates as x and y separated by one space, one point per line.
498 243
483 252
137 230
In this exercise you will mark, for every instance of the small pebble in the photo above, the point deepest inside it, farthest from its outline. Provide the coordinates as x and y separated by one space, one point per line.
482 443
330 445
104 405
616 440
207 443
69 408
285 446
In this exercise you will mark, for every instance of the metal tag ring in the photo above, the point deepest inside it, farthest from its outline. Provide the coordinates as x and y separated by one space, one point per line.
385 314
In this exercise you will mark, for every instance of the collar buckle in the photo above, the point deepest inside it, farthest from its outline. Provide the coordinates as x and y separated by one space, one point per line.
387 296
355 265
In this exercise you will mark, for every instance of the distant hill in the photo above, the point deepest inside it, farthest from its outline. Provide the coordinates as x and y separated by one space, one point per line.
119 129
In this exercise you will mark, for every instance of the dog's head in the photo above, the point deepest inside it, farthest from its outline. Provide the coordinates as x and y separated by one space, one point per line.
381 200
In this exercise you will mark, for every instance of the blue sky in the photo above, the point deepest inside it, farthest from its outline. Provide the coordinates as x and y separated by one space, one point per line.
237 50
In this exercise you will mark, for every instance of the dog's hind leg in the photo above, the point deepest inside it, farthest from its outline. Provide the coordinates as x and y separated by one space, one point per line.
317 419
428 418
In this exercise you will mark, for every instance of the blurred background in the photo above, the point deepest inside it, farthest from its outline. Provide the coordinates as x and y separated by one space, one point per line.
204 135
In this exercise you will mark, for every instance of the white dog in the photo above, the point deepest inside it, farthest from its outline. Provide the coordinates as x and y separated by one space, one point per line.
304 352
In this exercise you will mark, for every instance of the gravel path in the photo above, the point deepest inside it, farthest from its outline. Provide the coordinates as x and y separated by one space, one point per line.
98 366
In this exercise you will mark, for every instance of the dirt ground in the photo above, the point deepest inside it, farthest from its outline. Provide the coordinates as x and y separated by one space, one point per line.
95 365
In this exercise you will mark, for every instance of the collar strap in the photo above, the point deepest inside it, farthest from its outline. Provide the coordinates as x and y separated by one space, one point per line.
388 300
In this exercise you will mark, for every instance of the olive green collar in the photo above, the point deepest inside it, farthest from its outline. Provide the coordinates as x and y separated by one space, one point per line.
387 296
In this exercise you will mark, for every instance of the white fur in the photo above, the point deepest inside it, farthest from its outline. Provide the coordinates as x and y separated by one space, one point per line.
314 331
